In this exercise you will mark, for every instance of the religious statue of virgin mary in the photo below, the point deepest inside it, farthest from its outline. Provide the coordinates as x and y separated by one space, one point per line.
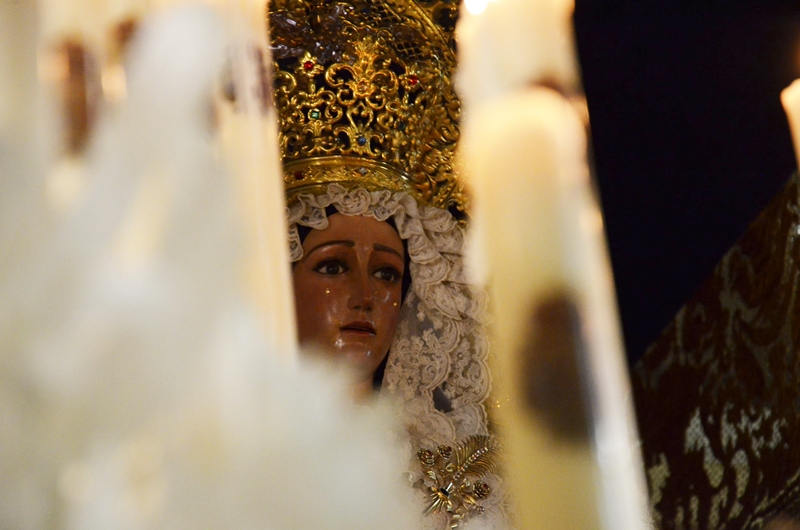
368 130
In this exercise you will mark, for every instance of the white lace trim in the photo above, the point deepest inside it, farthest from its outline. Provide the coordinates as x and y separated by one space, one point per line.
440 341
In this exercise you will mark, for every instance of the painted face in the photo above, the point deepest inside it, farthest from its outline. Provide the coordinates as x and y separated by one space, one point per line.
348 289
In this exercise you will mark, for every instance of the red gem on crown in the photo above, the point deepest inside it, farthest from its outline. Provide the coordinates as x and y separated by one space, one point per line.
413 80
308 65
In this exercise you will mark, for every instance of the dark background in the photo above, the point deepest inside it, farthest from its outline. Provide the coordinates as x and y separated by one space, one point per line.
690 139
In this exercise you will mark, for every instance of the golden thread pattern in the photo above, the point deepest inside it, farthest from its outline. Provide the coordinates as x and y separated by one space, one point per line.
723 453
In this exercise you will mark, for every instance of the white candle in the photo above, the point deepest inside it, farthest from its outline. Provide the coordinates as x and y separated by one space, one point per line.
24 140
515 160
250 140
78 20
508 44
121 10
18 83
790 98
525 154
541 238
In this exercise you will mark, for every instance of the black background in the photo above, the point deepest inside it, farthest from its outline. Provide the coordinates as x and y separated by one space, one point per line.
690 139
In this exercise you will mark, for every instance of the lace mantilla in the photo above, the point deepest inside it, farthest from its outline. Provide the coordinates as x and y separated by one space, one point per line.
440 349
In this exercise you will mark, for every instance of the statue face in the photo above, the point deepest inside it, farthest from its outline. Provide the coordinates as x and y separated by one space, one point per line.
347 290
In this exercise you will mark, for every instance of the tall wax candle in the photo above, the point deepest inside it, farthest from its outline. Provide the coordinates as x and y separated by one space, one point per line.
79 20
564 410
249 132
538 238
507 44
790 98
21 133
18 83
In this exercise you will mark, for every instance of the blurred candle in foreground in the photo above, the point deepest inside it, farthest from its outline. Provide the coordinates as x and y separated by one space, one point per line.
564 412
567 423
790 98
18 85
22 137
506 44
70 48
249 131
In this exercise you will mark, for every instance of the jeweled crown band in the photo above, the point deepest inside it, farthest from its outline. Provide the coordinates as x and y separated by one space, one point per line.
312 175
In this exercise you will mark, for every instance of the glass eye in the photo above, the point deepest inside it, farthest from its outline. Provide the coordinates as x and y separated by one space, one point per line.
331 268
387 274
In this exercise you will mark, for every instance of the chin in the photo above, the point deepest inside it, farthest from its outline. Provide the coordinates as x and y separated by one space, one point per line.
362 357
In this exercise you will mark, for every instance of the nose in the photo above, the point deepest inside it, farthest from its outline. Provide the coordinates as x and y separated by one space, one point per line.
362 295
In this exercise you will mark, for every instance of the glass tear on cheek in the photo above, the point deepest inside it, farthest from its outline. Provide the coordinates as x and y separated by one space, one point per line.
339 343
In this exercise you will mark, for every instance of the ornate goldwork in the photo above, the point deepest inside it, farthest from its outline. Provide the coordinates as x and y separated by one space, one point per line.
312 175
454 476
367 83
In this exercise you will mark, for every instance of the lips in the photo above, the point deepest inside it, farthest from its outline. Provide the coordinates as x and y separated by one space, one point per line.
360 327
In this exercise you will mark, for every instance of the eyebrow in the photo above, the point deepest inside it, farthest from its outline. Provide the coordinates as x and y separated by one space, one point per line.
384 248
345 242
350 243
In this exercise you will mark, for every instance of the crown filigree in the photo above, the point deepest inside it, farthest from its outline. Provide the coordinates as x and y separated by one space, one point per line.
364 96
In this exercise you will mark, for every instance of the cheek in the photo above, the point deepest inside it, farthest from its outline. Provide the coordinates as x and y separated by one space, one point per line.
389 303
317 309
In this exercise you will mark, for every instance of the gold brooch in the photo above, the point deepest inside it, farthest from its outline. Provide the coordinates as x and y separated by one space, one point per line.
453 476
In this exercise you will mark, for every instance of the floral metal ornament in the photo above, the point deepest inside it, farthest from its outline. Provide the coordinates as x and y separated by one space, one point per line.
453 476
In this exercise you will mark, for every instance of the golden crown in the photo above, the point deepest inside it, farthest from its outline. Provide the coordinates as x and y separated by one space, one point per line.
364 95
